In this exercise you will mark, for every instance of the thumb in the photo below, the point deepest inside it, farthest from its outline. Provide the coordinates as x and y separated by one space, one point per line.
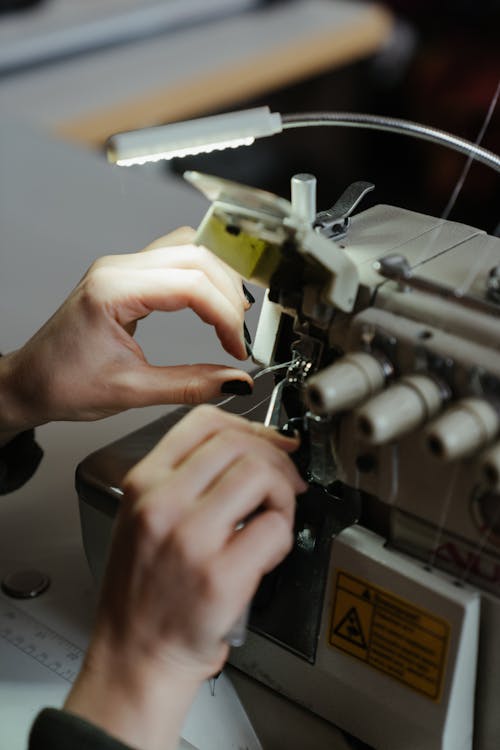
188 384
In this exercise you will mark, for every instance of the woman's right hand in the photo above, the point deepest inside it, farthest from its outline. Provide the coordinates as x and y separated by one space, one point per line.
180 571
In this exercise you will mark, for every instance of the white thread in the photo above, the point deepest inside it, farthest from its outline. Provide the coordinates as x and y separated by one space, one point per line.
259 374
468 163
255 406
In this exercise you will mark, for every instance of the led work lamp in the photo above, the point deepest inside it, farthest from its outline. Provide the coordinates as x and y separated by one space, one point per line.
241 128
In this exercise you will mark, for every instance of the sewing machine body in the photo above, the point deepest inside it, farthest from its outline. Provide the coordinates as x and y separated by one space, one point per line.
389 630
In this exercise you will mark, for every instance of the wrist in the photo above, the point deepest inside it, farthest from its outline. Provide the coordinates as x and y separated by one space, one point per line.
14 417
139 702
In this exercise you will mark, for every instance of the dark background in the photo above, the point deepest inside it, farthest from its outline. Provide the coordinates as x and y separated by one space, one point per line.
442 68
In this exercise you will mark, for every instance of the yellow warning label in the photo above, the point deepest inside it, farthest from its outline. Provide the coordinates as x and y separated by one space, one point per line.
389 634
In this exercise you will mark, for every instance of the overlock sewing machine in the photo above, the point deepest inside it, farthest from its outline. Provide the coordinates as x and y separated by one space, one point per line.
382 329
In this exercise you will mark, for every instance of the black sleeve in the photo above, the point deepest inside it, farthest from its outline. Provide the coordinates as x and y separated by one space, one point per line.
60 730
19 460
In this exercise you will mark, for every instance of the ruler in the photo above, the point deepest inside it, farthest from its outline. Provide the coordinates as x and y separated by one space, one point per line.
214 722
41 643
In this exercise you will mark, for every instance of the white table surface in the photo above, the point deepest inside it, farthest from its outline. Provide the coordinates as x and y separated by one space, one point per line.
61 207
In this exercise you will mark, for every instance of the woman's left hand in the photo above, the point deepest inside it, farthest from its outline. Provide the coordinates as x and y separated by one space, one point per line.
84 363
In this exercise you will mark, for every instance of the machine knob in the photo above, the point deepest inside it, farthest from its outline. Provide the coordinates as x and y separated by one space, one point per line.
345 384
400 409
490 466
466 427
304 197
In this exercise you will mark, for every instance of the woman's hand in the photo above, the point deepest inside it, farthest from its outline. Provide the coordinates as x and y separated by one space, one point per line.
180 573
84 363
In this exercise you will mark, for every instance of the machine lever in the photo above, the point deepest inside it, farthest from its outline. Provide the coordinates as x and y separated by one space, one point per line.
335 222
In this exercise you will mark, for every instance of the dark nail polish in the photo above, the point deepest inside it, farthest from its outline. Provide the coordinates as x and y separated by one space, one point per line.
236 387
249 296
289 432
246 333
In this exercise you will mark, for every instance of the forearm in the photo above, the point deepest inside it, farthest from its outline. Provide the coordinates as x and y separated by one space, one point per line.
19 453
140 706
14 416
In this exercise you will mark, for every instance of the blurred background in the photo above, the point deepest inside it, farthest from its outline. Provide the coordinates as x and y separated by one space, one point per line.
73 72
440 65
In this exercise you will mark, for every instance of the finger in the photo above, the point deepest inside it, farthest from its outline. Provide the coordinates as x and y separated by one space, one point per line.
180 236
241 490
195 429
205 421
136 293
183 257
251 553
257 548
187 236
211 459
197 256
149 385
213 266
190 481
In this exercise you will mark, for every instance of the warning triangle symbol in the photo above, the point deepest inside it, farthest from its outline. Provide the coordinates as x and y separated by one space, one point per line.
350 629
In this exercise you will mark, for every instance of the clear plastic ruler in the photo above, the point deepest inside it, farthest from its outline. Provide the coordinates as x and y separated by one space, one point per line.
41 643
215 722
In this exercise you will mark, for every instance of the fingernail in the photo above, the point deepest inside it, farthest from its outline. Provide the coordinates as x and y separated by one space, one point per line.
249 296
248 340
246 334
289 432
237 387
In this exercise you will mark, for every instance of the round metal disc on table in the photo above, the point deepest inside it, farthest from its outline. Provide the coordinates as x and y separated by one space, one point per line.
25 584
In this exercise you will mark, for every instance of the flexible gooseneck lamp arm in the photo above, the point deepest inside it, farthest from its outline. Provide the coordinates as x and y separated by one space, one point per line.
242 128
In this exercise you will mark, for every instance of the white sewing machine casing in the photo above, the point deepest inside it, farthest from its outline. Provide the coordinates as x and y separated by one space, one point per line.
383 619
